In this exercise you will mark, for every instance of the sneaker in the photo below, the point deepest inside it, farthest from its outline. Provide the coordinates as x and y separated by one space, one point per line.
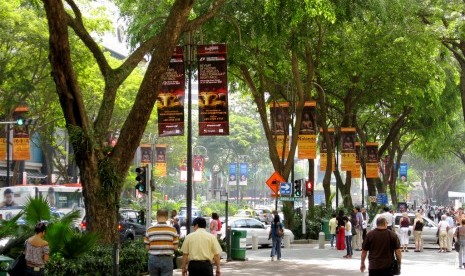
272 258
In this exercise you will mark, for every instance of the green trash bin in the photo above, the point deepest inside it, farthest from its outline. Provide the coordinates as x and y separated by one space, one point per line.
325 228
238 244
5 262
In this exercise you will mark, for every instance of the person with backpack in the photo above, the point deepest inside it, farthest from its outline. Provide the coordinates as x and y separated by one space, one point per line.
276 234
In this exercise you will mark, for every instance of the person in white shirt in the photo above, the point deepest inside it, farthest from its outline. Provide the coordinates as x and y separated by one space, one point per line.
450 232
348 235
389 218
366 219
443 228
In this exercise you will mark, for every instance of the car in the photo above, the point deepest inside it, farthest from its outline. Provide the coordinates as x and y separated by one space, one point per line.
246 213
182 215
429 230
129 226
264 215
253 227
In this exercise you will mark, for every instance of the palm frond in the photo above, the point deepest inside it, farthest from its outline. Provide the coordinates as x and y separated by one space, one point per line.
37 210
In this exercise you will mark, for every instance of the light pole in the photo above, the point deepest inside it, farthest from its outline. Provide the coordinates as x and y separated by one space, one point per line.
190 61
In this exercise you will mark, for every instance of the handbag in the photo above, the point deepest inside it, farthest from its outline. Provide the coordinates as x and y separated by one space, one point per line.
395 269
280 231
18 266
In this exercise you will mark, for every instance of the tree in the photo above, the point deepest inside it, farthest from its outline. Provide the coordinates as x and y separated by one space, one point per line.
103 173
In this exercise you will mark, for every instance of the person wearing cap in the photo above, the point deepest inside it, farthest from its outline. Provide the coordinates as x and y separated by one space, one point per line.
37 251
199 249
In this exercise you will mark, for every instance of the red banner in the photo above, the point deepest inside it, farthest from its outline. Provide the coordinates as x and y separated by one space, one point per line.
145 155
170 102
213 90
198 161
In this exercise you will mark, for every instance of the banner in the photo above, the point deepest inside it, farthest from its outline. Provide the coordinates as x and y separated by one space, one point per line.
324 150
170 102
356 173
307 134
232 174
213 90
160 160
243 172
348 138
372 160
403 169
145 154
183 171
21 147
282 146
198 161
3 148
279 113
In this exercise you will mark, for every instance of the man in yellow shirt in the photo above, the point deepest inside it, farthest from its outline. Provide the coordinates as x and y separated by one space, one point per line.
332 229
199 249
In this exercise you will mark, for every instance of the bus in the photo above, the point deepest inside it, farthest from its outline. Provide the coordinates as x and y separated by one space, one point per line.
62 198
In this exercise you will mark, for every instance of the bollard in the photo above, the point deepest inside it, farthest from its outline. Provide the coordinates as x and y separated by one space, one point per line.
321 240
287 241
254 242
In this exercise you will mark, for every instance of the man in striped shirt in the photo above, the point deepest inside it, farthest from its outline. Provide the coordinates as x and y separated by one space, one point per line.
160 241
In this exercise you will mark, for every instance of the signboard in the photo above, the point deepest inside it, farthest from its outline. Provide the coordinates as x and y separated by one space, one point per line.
285 189
403 168
273 182
382 199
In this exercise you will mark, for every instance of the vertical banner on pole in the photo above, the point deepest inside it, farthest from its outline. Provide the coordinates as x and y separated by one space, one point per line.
145 154
160 160
348 138
244 174
324 150
183 171
372 160
307 135
3 145
198 161
232 174
170 102
279 113
21 147
213 90
356 173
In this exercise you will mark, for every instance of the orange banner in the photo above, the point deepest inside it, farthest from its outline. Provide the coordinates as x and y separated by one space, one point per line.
160 160
372 160
306 147
21 149
2 148
356 172
282 146
347 148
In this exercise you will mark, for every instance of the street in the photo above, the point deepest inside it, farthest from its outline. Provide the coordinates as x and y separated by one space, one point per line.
307 259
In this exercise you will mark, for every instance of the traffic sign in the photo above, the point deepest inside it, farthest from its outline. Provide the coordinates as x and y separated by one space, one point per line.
287 199
285 189
273 182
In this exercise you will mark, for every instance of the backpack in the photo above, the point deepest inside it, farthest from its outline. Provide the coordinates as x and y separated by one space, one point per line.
219 225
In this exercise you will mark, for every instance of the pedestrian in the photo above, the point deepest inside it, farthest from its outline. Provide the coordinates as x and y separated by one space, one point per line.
450 232
161 240
404 224
214 224
389 218
460 238
348 237
418 225
276 235
37 251
366 220
459 216
332 229
443 228
380 245
199 249
358 229
341 235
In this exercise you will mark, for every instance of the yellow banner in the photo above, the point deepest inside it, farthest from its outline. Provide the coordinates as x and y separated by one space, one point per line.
306 147
372 170
372 160
21 149
280 146
348 161
160 169
2 148
324 161
356 172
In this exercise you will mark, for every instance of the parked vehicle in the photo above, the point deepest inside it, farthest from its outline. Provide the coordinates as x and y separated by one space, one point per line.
429 230
182 215
253 227
247 213
264 215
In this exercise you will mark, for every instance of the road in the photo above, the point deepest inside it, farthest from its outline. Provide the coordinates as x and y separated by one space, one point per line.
307 259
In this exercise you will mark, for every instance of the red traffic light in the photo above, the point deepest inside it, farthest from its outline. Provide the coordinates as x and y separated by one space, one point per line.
309 187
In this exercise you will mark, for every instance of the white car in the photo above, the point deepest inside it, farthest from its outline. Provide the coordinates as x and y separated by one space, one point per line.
429 230
253 227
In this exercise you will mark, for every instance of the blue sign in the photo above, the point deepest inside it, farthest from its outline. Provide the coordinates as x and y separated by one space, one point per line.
382 199
403 168
285 189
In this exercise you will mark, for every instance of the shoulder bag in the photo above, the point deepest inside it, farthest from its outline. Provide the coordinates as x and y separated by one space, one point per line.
395 269
457 242
18 266
279 230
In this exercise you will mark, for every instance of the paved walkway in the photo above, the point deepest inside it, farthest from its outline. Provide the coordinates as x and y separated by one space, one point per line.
307 259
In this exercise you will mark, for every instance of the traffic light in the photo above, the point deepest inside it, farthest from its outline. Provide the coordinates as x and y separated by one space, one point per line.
298 188
20 121
141 179
309 187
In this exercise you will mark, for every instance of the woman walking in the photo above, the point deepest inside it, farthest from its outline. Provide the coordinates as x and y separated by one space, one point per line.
418 232
348 236
404 223
277 233
37 251
340 230
443 228
460 238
